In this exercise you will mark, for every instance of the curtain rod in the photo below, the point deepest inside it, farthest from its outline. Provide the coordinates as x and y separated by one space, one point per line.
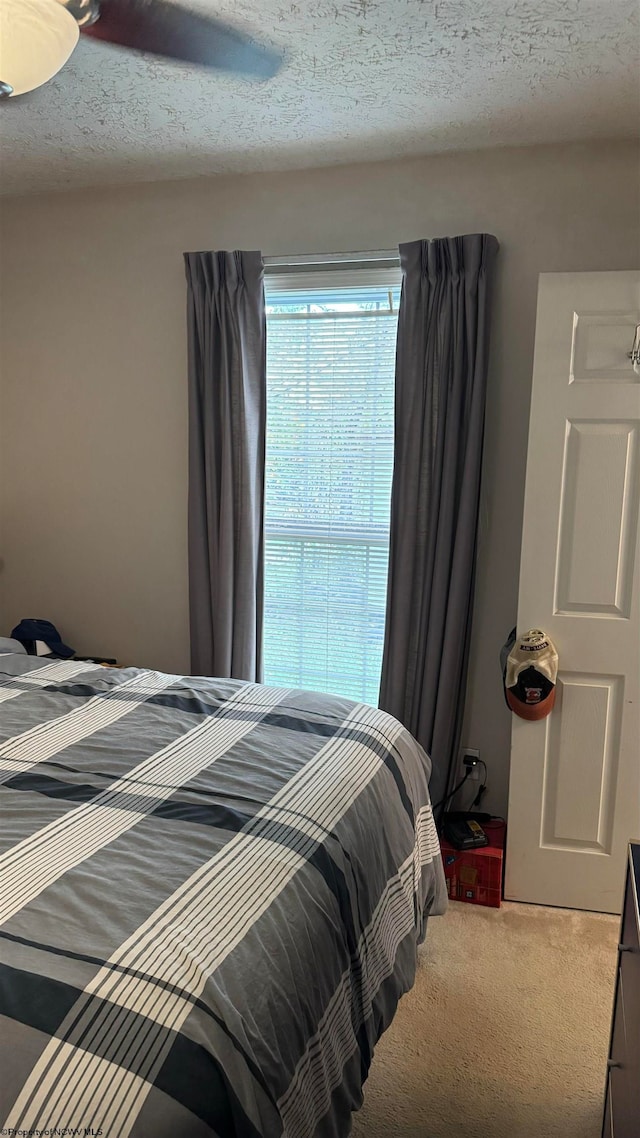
332 258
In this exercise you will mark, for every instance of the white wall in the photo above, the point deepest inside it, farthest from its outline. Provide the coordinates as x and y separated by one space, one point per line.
93 445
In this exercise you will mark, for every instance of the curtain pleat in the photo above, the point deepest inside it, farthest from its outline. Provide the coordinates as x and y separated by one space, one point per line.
441 375
226 328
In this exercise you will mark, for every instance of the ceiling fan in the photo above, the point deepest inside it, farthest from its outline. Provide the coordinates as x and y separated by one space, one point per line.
37 38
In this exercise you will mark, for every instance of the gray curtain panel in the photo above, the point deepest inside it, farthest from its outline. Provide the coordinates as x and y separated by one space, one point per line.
227 415
441 373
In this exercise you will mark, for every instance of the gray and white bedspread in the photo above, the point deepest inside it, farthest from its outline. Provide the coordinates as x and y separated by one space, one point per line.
211 895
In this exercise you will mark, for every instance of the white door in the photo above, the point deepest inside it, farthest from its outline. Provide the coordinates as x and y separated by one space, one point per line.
574 796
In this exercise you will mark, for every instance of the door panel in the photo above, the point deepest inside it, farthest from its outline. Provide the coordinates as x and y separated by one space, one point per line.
582 747
600 344
574 797
598 519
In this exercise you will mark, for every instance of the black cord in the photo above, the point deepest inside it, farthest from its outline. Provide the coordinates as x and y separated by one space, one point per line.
443 801
478 798
481 789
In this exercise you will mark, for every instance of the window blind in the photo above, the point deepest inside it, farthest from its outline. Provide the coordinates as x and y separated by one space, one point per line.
330 395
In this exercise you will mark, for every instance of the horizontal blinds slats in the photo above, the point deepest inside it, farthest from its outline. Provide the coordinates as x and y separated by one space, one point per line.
329 462
324 624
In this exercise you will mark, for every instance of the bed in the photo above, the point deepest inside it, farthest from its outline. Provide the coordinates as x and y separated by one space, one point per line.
211 898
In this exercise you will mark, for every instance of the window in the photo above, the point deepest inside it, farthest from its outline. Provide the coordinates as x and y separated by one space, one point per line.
331 340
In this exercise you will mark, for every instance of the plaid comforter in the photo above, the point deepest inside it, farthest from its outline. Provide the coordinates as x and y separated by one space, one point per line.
211 894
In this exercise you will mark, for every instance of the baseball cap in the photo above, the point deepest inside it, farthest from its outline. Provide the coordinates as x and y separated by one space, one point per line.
529 671
30 630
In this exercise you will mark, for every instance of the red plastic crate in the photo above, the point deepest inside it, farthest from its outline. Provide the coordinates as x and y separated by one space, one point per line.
475 876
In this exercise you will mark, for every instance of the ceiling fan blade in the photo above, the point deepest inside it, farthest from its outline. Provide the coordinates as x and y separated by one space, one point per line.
164 29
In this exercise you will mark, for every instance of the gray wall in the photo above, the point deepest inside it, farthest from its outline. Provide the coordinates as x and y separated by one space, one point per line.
93 441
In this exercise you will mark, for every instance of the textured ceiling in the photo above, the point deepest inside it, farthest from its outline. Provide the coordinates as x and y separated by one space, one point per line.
364 79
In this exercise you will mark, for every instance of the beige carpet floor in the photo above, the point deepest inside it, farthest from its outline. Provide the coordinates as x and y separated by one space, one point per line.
505 1033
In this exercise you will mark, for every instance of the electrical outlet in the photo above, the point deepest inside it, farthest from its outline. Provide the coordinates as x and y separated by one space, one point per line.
470 763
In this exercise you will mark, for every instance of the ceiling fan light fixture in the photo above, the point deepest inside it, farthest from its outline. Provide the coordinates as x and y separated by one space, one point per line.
36 39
